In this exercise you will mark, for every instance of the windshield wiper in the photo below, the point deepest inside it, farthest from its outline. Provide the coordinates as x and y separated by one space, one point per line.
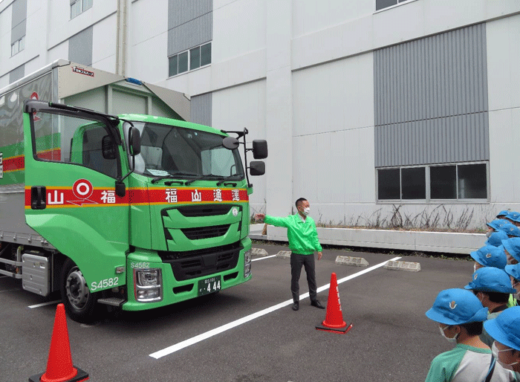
173 176
226 178
206 176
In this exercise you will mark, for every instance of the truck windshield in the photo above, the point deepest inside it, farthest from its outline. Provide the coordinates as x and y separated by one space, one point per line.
171 151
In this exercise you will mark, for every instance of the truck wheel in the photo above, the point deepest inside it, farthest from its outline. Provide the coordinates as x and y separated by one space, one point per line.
79 303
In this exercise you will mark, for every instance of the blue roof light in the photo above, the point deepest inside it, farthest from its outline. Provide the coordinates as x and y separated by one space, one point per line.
134 81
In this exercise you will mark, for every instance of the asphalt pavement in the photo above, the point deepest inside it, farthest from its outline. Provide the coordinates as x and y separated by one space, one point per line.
249 332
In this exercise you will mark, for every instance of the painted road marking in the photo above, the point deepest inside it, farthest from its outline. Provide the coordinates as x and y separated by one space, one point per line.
263 258
231 325
43 304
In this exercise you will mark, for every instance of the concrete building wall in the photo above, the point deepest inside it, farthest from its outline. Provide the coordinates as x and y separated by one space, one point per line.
300 73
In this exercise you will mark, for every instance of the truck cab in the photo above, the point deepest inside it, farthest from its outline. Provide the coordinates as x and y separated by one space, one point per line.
139 211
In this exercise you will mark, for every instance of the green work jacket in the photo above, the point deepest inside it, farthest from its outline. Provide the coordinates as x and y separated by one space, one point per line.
303 237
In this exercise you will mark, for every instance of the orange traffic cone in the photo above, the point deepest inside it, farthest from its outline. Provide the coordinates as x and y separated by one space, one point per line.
59 364
334 319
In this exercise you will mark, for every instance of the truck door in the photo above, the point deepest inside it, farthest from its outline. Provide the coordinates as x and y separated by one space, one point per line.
72 160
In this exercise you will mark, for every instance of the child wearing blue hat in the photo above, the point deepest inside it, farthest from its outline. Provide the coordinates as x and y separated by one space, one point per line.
502 214
514 273
460 315
512 250
492 287
495 239
489 256
494 226
505 330
510 229
513 217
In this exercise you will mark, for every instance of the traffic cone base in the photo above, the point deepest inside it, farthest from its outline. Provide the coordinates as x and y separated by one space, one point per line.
79 377
343 330
334 318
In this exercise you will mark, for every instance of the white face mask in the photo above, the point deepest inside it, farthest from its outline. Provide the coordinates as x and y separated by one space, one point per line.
454 339
474 268
489 233
495 351
307 211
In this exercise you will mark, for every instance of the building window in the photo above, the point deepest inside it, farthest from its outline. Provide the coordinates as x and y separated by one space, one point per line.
77 7
443 182
382 4
194 58
18 46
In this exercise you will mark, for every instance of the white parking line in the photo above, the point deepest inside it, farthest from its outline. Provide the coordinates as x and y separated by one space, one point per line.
263 258
43 304
231 325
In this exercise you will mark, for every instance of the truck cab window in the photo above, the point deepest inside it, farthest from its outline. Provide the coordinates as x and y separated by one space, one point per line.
73 140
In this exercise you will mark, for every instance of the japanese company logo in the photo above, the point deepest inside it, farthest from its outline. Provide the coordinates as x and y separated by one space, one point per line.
83 190
453 305
77 69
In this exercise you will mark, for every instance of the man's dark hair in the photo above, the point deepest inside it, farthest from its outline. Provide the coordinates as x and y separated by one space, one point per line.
473 328
501 298
496 297
300 200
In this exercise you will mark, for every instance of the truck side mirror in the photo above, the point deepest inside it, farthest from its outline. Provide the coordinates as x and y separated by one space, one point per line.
108 148
134 140
230 143
120 188
259 149
257 167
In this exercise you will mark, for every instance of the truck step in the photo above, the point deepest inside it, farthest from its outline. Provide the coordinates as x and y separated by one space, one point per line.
112 301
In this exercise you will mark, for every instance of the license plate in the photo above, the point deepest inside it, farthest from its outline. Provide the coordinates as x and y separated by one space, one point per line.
210 285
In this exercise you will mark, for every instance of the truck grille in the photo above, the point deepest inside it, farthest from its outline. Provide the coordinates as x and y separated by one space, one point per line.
190 264
204 210
205 232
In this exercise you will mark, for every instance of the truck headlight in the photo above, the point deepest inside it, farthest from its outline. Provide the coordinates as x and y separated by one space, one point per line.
247 263
148 285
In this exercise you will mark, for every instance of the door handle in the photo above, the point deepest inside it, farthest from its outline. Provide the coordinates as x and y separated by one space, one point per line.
38 196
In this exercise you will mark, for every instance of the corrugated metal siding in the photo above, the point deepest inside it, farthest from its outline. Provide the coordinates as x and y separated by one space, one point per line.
428 88
19 20
80 47
190 23
182 11
201 109
16 74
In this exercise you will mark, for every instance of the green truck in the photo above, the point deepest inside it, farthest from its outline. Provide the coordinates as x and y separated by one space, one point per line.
132 211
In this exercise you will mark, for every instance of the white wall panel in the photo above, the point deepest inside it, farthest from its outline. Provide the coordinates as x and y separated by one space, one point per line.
504 138
244 106
239 27
334 96
108 64
311 15
142 54
60 51
149 19
503 47
104 40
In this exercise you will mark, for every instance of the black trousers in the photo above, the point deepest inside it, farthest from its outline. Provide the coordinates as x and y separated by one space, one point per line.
297 261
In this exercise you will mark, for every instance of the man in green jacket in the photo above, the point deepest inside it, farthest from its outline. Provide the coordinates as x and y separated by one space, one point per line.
303 241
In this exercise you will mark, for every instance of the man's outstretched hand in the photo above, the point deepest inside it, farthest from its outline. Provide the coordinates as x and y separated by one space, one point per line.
259 218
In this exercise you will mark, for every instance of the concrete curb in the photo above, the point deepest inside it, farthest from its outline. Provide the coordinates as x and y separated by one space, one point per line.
403 266
259 252
349 260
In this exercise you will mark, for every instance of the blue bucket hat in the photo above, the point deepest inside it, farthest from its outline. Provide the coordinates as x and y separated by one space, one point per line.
506 327
513 247
502 213
495 239
497 223
457 307
513 270
510 229
514 216
491 279
490 256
